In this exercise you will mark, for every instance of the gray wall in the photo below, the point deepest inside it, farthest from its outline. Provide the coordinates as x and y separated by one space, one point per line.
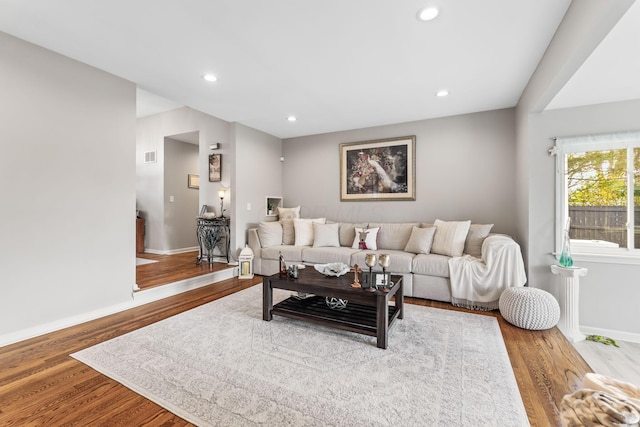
66 177
181 159
151 131
258 173
251 170
464 170
609 294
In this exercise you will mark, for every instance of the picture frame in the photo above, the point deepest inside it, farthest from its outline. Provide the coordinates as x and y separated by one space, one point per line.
215 167
193 181
376 170
375 279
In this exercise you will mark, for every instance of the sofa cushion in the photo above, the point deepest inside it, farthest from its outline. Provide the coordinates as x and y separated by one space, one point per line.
304 230
290 253
325 235
450 237
327 255
393 235
367 235
400 260
348 232
288 213
420 240
475 238
288 233
431 265
270 234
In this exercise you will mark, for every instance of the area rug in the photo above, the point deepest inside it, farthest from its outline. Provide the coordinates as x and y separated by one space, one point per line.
221 365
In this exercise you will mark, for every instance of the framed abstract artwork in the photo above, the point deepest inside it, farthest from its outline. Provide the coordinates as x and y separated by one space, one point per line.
382 169
215 167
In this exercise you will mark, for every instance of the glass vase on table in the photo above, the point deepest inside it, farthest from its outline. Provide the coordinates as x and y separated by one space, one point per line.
565 256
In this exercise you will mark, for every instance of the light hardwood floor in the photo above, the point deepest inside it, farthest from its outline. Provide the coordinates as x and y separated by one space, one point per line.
622 363
40 384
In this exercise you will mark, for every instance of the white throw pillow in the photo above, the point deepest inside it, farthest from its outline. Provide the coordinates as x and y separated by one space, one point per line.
304 230
288 213
288 232
450 237
420 240
475 238
326 235
370 237
348 232
270 234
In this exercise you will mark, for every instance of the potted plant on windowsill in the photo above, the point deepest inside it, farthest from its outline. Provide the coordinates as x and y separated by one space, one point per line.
270 209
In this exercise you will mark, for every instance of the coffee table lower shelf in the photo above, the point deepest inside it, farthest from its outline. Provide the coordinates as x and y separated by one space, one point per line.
354 317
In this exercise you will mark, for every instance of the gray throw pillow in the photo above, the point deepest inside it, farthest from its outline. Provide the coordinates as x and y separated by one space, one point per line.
270 234
325 235
475 239
420 240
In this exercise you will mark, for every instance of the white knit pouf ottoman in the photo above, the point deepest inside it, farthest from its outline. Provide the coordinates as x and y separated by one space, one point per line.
529 308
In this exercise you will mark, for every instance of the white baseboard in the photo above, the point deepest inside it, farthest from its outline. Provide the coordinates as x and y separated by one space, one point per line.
159 292
609 333
138 298
57 325
171 251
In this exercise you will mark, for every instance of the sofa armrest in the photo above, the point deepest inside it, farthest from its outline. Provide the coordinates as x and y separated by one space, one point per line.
502 256
254 242
478 283
494 243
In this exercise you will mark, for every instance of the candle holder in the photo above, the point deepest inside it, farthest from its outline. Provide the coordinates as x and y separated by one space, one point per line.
384 260
370 261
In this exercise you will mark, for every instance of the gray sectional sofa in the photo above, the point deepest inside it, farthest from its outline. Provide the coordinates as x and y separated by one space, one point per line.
420 252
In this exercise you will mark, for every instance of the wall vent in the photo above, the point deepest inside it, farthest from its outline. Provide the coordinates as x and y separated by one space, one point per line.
150 157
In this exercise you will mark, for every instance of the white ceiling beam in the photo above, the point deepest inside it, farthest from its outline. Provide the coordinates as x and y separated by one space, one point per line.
584 26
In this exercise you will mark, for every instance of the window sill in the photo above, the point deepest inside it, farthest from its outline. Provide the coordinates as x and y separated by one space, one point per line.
608 258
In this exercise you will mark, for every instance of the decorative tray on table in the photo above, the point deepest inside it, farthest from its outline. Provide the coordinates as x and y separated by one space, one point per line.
336 269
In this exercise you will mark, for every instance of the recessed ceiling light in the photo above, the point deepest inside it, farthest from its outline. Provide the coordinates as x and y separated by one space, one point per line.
292 118
427 14
442 93
210 77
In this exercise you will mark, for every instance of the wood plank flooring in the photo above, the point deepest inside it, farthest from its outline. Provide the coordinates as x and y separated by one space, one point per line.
622 362
172 268
41 385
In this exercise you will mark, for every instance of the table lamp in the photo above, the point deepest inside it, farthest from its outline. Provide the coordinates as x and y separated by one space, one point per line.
221 193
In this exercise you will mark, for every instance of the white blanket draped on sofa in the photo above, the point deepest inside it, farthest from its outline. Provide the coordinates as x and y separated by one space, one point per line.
477 283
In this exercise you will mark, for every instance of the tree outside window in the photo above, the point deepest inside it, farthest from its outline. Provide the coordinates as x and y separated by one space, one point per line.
599 189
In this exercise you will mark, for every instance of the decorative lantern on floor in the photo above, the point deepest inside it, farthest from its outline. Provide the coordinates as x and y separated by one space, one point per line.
246 263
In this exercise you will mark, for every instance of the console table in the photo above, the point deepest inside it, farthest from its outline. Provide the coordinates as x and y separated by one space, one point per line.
213 233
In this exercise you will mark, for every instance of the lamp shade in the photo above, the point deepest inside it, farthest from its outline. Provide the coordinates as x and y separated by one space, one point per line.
221 193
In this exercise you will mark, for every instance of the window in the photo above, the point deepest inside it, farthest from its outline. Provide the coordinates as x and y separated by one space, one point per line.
598 192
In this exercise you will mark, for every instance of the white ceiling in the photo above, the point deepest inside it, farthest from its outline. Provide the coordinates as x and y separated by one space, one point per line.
335 64
612 72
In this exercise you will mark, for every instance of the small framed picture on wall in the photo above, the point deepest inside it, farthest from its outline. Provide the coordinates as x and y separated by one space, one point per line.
193 181
215 167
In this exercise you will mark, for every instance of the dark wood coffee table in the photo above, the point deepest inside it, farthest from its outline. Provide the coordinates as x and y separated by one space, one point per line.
368 313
